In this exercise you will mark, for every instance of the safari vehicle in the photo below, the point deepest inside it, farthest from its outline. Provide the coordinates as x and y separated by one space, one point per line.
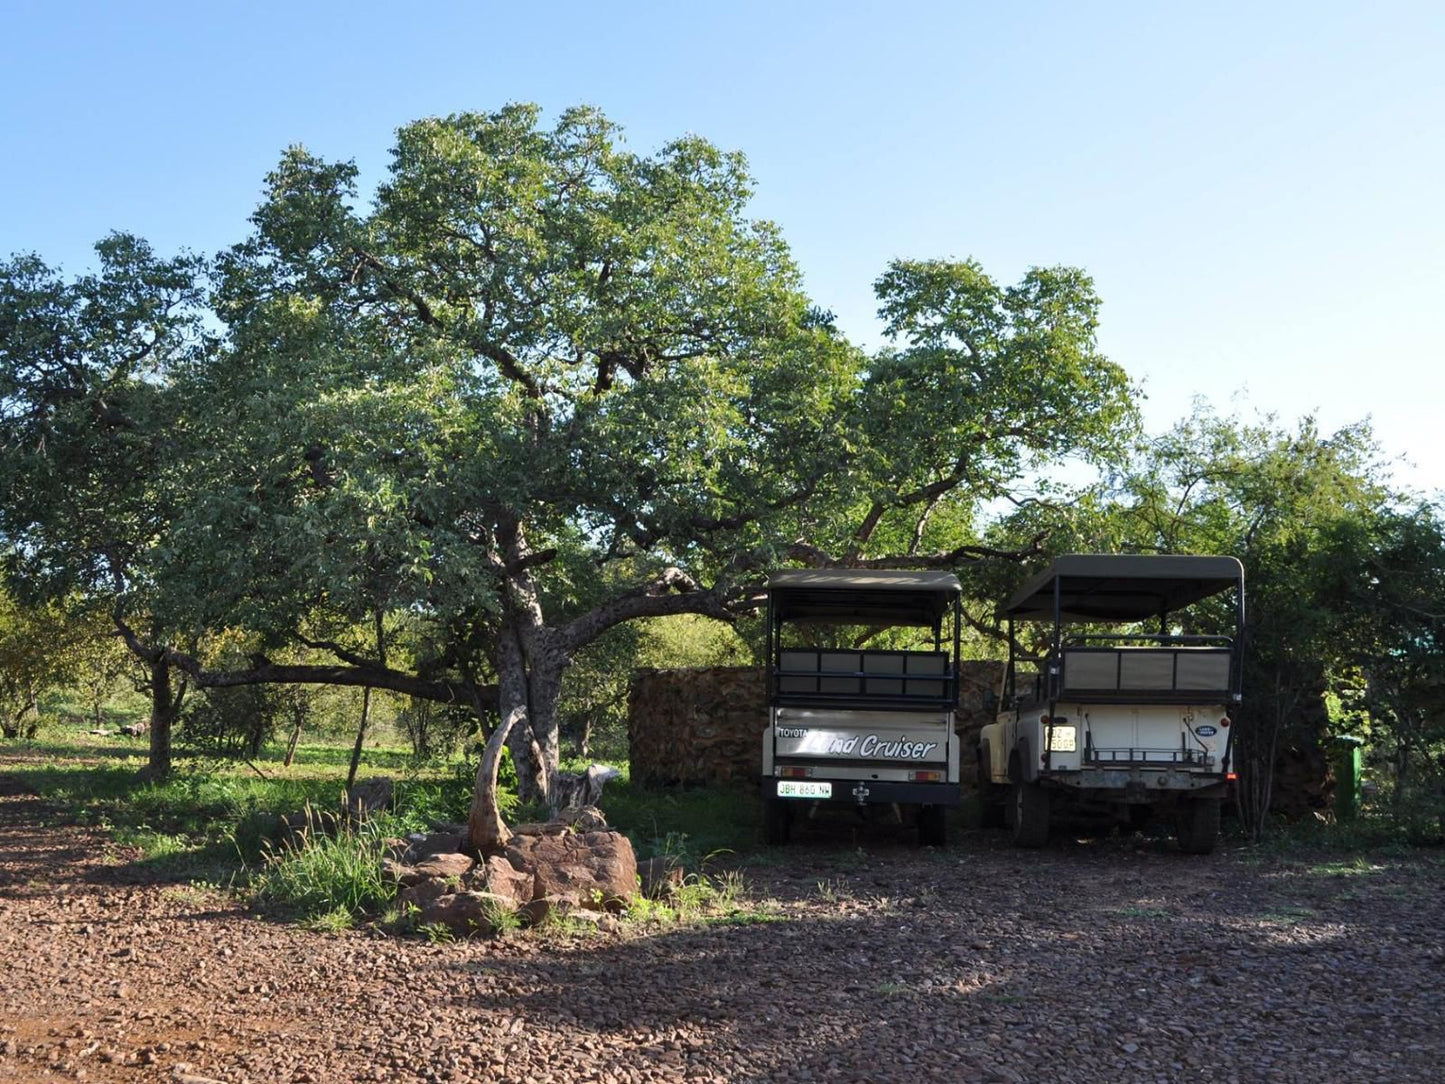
1133 720
853 725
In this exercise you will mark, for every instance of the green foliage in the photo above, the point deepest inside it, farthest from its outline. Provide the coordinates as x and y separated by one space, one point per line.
540 387
89 438
37 654
435 730
231 722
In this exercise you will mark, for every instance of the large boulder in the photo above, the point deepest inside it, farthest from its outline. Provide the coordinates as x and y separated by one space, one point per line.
465 913
502 879
660 877
576 870
425 844
295 830
420 894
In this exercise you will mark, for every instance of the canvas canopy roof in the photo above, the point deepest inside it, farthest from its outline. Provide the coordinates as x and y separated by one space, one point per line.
862 596
1123 587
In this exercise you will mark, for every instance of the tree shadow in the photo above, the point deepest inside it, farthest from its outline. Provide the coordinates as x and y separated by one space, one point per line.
1059 964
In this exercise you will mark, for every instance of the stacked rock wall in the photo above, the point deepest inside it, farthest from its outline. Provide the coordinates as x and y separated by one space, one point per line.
694 727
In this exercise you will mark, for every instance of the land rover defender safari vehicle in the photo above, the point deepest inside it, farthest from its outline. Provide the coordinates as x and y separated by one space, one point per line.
856 725
1136 720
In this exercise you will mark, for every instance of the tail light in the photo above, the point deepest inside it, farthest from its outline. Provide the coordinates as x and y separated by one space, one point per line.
1224 721
791 772
926 776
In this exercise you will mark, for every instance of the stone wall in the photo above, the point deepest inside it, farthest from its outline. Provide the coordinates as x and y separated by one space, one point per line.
694 727
691 727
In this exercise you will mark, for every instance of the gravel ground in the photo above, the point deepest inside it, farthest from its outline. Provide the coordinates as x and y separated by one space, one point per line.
1110 960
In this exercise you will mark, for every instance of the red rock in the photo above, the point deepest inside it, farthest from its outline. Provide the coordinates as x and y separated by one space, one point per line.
594 870
502 879
445 866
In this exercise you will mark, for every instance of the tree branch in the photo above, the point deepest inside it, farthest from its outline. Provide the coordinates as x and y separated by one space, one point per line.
672 592
265 672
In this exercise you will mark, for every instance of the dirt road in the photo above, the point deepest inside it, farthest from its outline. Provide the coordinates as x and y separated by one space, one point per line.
1103 961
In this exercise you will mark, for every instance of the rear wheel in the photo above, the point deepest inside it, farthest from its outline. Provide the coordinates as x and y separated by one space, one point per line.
932 826
1030 820
993 809
777 821
1198 827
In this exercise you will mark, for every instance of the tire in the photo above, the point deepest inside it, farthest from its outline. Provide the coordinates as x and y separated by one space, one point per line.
993 809
1198 827
1030 815
992 799
777 821
932 826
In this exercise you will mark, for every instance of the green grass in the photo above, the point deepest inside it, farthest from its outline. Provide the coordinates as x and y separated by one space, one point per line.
328 877
212 819
685 823
214 823
1380 829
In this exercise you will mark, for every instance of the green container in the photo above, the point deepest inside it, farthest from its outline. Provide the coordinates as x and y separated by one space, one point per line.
1347 758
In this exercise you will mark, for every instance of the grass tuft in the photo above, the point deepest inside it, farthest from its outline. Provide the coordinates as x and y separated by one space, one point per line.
328 874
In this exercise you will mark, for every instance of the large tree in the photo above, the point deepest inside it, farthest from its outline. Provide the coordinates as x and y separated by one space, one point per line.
91 444
543 385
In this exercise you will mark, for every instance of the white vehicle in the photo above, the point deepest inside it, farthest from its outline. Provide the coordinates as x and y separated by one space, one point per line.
1132 719
856 725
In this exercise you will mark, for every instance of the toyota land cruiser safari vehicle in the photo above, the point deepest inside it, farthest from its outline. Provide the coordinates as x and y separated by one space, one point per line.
1134 720
856 725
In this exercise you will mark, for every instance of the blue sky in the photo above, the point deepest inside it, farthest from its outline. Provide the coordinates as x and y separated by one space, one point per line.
1256 188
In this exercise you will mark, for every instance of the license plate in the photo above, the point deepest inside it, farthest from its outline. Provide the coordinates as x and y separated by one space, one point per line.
1061 739
791 788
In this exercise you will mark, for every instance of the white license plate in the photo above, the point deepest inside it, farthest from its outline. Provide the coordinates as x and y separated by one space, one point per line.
791 788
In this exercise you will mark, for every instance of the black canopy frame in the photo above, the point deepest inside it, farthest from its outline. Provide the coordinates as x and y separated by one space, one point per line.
1098 587
887 598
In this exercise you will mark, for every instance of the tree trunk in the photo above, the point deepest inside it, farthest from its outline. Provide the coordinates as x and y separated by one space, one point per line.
527 760
25 722
544 686
165 706
360 737
485 828
295 736
378 620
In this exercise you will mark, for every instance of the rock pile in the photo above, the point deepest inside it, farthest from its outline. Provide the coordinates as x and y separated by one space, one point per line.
574 865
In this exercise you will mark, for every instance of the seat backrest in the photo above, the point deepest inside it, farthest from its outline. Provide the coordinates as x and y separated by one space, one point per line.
1203 668
1091 669
798 660
1140 670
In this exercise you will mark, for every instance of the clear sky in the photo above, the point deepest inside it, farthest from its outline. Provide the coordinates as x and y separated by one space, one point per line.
1258 189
